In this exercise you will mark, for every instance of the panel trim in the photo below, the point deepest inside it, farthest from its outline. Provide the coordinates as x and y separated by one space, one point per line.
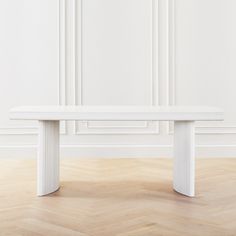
171 78
33 130
89 126
117 151
78 93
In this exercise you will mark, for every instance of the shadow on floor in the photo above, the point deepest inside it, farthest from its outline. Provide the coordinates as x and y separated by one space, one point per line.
118 189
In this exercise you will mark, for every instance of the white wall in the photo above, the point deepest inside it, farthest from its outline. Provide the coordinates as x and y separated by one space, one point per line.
118 52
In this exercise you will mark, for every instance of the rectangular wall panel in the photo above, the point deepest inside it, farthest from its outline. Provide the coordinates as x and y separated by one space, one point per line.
203 70
118 52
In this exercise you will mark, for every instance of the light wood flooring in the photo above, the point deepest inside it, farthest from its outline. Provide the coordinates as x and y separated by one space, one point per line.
118 197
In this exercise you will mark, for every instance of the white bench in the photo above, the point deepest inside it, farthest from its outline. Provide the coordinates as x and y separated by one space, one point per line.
184 144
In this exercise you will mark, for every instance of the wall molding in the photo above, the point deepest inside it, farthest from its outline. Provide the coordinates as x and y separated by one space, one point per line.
171 79
14 130
61 79
78 89
118 151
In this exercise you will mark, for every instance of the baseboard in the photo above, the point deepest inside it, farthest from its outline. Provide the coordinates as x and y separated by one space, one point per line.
119 151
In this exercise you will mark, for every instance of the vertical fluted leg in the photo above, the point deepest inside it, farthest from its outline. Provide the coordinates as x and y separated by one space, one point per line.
48 157
184 158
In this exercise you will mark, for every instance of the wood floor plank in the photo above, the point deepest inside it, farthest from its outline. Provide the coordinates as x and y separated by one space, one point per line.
118 197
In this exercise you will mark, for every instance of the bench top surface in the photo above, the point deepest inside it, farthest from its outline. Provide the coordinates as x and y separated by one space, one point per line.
116 113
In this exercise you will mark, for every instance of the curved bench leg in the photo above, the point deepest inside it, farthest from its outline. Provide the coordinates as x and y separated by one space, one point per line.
48 157
184 158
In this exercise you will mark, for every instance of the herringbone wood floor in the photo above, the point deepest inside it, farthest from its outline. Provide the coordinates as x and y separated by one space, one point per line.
118 197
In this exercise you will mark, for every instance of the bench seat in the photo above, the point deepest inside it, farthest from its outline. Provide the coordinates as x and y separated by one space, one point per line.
161 113
184 135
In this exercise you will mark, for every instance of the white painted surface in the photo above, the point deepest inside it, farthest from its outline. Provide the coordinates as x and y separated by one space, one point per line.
184 136
117 113
48 158
142 52
184 158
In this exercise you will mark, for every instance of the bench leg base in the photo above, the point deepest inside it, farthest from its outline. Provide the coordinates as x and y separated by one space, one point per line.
48 158
184 158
